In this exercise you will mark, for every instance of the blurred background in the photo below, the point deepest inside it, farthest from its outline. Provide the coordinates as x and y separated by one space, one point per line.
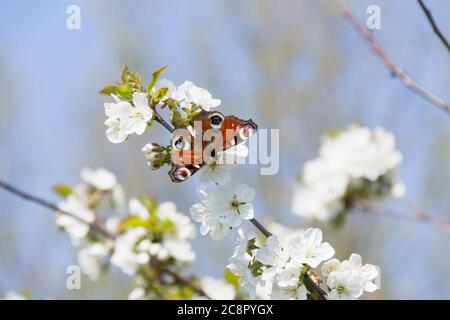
295 65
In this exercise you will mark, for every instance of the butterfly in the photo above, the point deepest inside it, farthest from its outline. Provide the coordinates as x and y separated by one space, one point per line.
207 134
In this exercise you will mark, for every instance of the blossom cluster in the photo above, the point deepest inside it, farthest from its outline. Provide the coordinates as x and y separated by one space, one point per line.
140 238
355 164
277 270
134 109
358 162
222 208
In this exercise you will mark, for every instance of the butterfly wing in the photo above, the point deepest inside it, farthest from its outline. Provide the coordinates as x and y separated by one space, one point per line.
186 161
208 133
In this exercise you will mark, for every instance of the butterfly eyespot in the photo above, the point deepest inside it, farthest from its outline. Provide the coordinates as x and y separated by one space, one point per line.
216 120
182 174
180 144
246 131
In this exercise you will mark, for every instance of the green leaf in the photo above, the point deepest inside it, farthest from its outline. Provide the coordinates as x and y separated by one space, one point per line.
159 94
62 190
126 74
177 119
256 268
131 80
148 202
171 103
231 278
251 245
123 91
163 226
191 113
109 90
133 222
155 76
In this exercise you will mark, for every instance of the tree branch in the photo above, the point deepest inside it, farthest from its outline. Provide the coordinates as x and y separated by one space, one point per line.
318 292
416 214
96 226
393 68
261 228
161 121
435 27
28 197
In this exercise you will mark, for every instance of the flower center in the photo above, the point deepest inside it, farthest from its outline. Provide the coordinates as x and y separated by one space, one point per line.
340 288
138 116
213 165
234 204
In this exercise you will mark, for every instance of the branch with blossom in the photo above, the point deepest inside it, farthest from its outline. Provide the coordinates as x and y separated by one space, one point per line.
356 169
151 242
225 206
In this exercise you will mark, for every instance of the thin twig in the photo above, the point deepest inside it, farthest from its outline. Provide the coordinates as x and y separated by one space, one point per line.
261 228
434 25
160 120
415 214
393 68
29 197
318 292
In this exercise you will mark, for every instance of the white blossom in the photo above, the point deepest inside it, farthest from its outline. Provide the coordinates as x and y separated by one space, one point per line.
112 224
398 190
217 169
236 203
368 272
297 292
308 247
118 197
114 133
239 265
183 228
164 83
137 294
349 278
99 178
221 209
134 118
272 253
217 289
344 286
362 153
188 94
173 242
136 208
180 250
91 259
330 266
125 256
354 157
111 108
76 225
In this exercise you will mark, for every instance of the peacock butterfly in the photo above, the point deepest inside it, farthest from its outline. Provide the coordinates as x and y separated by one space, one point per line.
208 133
